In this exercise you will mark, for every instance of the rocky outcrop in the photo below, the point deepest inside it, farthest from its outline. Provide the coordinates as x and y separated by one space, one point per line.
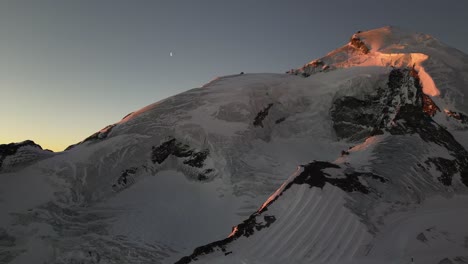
458 116
189 156
354 119
258 121
98 136
23 153
125 179
401 108
357 43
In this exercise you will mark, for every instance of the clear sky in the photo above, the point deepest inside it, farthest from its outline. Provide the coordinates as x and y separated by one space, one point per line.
70 67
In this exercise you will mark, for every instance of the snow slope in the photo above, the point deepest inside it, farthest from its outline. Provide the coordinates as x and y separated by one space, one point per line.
247 162
182 172
398 196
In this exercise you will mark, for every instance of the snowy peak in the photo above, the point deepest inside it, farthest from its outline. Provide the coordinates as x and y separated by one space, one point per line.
391 39
16 154
442 70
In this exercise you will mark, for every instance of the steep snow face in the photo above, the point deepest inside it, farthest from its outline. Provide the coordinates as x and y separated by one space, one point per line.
442 70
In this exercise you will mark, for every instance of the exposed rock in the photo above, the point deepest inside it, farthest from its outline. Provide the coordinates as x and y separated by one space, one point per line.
280 120
197 158
458 116
125 178
429 107
316 63
246 229
353 118
161 152
258 121
21 153
98 136
172 147
191 157
411 120
314 176
357 43
400 109
447 167
421 237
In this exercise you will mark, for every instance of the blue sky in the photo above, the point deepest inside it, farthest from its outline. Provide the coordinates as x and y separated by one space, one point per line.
69 68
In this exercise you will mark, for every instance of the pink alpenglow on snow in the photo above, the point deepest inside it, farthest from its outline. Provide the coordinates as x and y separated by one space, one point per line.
383 47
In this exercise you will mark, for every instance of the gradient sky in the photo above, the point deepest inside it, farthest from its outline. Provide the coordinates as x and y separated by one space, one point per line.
70 67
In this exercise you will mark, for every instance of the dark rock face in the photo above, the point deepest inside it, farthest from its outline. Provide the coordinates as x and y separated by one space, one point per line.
414 119
12 148
357 43
314 176
161 152
402 108
246 228
421 237
447 167
197 159
280 120
125 178
258 121
172 147
308 69
458 116
430 131
429 107
191 157
354 119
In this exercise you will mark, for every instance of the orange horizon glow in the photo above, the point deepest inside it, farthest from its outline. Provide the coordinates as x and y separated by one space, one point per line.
55 138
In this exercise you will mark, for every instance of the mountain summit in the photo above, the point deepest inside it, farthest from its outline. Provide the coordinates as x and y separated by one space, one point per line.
357 157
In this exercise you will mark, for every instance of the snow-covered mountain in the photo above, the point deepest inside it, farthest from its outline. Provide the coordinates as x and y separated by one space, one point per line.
17 155
374 136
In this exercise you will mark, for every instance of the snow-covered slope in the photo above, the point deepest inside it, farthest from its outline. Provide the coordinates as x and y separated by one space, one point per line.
142 182
375 150
377 203
399 195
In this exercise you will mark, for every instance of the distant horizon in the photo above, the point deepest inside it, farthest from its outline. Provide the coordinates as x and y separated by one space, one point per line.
69 69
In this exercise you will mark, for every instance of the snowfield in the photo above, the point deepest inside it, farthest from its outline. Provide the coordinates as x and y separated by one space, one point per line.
357 157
